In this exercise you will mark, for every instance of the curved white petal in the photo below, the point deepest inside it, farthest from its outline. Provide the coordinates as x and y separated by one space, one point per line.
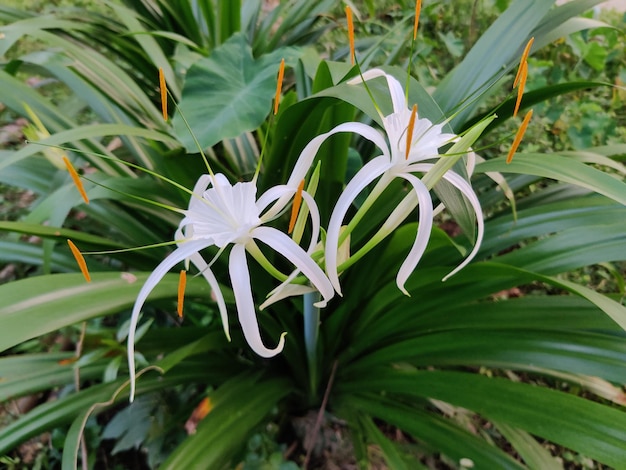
272 194
305 160
470 162
468 192
425 220
183 251
314 213
284 245
240 279
195 201
202 266
396 92
466 189
366 175
307 156
284 291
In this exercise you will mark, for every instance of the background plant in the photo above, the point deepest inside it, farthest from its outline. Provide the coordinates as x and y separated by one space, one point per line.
491 331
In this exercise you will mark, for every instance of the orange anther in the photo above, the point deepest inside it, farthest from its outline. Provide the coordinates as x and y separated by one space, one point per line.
409 131
519 136
297 202
80 260
350 32
198 414
418 7
522 84
76 179
279 85
523 59
163 88
182 282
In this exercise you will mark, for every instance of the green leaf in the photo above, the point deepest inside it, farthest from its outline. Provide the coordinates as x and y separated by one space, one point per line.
562 169
228 93
593 429
239 405
499 46
56 232
39 305
431 431
25 374
533 454
76 406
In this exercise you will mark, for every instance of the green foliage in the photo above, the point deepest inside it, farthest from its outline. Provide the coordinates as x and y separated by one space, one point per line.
467 372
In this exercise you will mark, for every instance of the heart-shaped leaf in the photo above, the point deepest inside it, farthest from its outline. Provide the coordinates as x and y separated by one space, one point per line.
228 93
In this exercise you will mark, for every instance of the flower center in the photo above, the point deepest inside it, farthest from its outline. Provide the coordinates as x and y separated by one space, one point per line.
226 214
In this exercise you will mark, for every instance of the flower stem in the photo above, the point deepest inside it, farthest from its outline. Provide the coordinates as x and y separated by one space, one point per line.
311 333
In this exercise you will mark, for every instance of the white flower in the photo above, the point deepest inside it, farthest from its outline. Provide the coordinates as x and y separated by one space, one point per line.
221 214
395 162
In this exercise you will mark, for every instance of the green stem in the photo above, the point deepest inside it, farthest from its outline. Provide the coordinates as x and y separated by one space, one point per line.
258 255
311 333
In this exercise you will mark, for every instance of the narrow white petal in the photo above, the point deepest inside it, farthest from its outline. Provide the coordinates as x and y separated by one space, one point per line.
240 278
468 192
284 291
466 189
396 92
284 245
314 213
272 194
425 221
366 175
310 151
195 201
183 251
308 154
202 266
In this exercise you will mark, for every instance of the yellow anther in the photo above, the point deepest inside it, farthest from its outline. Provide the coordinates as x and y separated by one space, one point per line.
78 256
519 136
76 179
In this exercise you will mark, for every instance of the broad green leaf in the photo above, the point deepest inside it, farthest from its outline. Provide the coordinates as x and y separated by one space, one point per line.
25 374
39 305
390 450
57 232
572 249
505 109
595 430
239 405
498 47
64 410
562 169
228 93
431 430
543 219
86 132
533 454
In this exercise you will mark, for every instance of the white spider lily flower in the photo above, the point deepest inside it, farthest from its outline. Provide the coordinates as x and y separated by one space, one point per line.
221 214
424 140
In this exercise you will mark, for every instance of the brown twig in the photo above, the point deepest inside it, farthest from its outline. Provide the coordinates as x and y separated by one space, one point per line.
79 350
320 416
